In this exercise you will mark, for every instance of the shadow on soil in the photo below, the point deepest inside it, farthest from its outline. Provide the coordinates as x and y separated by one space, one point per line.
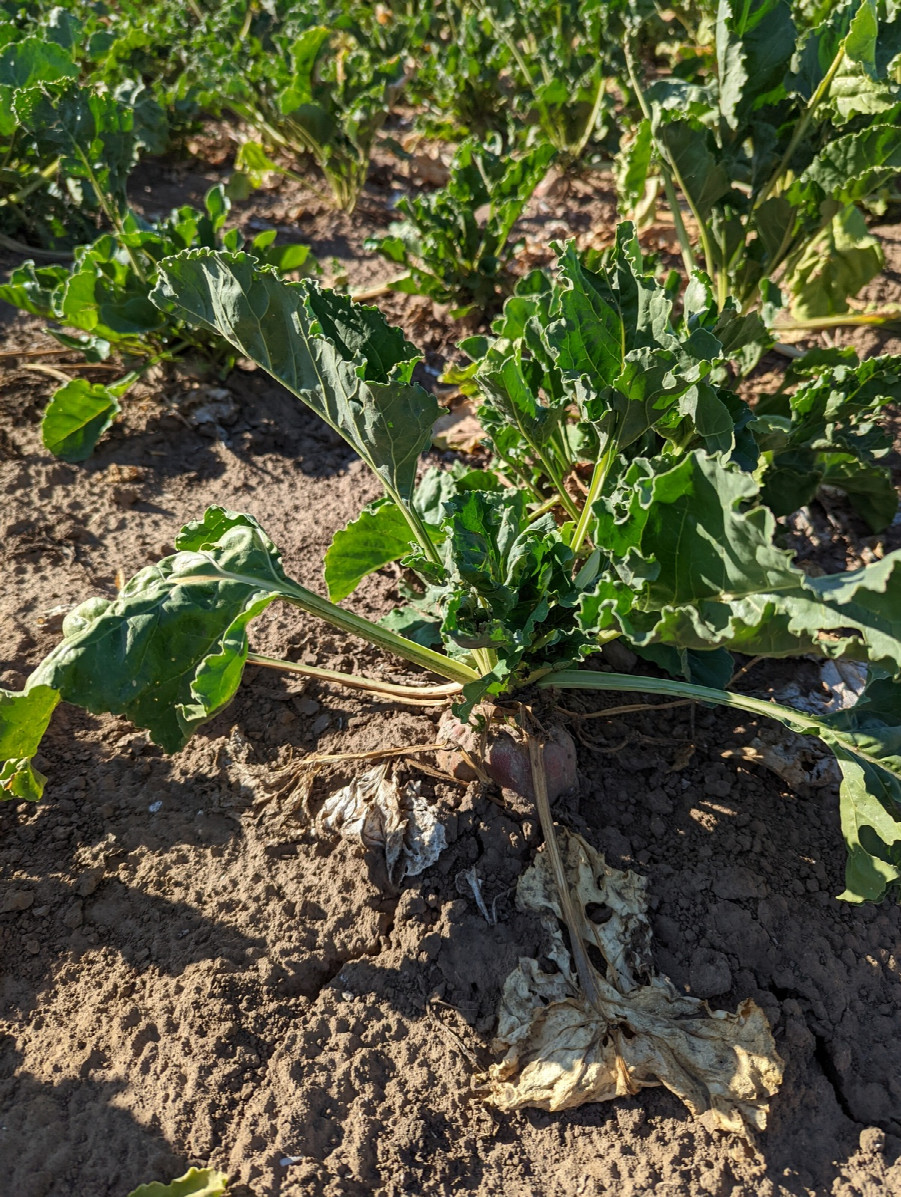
69 1137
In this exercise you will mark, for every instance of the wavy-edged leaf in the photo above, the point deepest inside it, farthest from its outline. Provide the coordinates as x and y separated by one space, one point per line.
342 360
589 336
850 168
700 570
827 431
196 1182
34 60
167 653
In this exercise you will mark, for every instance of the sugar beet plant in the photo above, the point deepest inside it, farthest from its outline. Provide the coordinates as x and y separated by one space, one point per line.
66 150
455 243
671 548
775 152
319 91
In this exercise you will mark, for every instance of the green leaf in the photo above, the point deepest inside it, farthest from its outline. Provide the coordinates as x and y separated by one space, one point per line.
827 430
714 668
755 40
196 1182
167 653
285 258
304 52
380 534
866 739
698 568
869 488
860 43
590 337
699 168
631 167
93 133
78 415
455 242
850 168
254 163
33 60
24 717
835 267
339 358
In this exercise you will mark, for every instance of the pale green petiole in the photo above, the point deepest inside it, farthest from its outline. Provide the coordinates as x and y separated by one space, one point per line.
356 681
356 625
587 679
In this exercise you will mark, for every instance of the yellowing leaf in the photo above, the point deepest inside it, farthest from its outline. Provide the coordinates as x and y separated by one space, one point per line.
196 1182
562 1052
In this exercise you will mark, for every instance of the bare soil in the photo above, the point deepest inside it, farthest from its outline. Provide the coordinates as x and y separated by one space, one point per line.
189 977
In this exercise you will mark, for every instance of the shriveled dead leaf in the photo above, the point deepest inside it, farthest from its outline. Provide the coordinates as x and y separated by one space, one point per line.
797 760
377 813
562 1052
841 684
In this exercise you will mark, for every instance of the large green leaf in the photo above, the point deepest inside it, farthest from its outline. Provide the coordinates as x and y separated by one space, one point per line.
699 569
589 336
91 132
33 60
755 40
698 166
835 266
852 167
341 359
168 653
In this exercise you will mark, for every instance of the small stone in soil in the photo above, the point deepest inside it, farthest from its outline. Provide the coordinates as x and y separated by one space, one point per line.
15 900
872 1139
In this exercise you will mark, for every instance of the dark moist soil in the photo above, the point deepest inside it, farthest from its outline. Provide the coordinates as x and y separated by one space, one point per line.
189 977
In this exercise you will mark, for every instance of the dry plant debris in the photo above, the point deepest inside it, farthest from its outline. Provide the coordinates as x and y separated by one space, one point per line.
377 812
561 1052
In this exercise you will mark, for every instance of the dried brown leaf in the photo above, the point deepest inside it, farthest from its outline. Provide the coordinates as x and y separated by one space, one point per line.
561 1052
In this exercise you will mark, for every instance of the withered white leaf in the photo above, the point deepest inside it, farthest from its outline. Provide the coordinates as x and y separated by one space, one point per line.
378 813
561 1052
